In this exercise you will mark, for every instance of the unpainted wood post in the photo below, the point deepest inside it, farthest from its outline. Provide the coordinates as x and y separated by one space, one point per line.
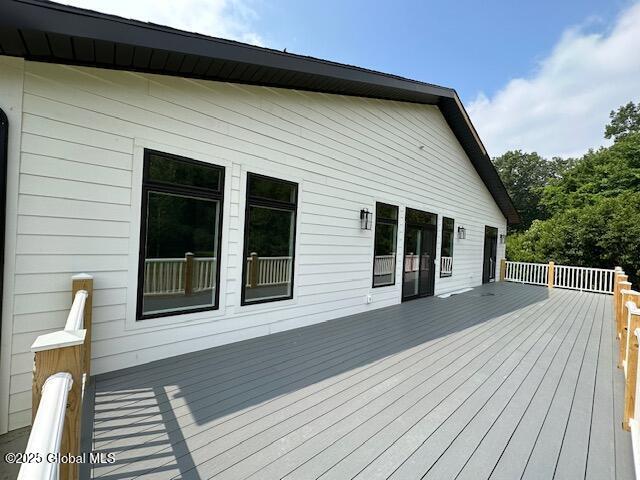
503 269
85 282
48 362
550 275
616 296
188 273
623 284
632 372
624 331
253 274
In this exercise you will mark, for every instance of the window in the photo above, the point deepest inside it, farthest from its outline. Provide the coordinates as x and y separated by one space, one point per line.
384 249
181 217
446 248
269 239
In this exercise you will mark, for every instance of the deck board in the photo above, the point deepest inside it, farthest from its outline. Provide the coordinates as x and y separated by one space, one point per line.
503 381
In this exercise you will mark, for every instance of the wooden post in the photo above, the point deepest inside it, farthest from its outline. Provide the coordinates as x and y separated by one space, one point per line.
616 296
253 274
632 371
624 331
84 282
48 362
550 275
188 273
622 285
503 269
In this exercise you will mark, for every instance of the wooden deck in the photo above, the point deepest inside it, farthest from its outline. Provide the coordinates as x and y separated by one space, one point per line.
505 381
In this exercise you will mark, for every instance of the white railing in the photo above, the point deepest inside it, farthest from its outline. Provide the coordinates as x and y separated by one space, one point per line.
268 271
598 280
384 264
204 273
56 426
523 272
164 275
46 433
75 319
446 265
167 276
586 279
411 263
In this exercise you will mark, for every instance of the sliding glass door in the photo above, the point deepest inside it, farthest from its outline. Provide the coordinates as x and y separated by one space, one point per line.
419 254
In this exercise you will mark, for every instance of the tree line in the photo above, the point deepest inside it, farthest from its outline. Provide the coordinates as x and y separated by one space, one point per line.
579 211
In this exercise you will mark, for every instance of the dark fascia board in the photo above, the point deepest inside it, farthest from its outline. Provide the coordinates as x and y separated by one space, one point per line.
46 31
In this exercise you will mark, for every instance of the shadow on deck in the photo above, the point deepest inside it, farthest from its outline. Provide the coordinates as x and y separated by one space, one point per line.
504 381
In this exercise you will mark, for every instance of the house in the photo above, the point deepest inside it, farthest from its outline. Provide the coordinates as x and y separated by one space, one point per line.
219 191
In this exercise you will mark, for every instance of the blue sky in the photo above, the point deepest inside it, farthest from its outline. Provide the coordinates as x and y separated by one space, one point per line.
451 43
535 75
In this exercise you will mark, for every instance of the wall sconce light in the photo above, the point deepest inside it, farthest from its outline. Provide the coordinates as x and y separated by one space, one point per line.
365 219
462 233
502 237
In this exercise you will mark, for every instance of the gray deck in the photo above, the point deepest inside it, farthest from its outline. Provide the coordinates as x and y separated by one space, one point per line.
505 381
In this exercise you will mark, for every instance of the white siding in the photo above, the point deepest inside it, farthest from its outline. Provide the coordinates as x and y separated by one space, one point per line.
83 134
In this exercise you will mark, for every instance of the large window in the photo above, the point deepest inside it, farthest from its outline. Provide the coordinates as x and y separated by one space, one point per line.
446 248
269 239
180 235
384 251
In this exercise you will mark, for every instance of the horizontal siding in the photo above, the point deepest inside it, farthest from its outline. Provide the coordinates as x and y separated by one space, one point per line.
77 195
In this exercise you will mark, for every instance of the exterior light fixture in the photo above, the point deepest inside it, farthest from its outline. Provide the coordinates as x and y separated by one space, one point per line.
365 219
502 237
462 233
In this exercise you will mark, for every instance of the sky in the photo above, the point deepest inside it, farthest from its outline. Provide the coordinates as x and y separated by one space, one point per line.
534 75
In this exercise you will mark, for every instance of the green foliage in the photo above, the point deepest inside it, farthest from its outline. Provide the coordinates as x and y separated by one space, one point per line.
525 175
606 172
588 210
625 120
602 235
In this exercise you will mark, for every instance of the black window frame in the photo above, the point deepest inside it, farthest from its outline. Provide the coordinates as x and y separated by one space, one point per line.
386 221
269 203
453 229
150 185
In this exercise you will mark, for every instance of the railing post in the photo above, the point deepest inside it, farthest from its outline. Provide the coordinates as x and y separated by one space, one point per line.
550 275
616 293
188 273
84 282
253 273
623 284
503 269
632 368
48 362
624 332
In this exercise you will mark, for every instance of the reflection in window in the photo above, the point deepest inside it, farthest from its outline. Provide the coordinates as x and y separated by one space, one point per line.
446 248
180 235
269 239
384 256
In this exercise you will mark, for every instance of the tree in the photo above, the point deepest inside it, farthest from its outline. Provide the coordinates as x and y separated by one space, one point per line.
624 121
603 234
525 175
594 213
606 172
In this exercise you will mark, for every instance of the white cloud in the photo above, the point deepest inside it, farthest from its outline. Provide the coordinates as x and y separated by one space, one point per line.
563 107
229 19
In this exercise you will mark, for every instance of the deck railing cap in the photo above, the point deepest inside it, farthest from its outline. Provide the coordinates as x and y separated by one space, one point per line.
627 291
632 308
82 276
59 339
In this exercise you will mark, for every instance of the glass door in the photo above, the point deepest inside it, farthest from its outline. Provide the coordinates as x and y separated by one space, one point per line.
419 254
490 254
412 251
